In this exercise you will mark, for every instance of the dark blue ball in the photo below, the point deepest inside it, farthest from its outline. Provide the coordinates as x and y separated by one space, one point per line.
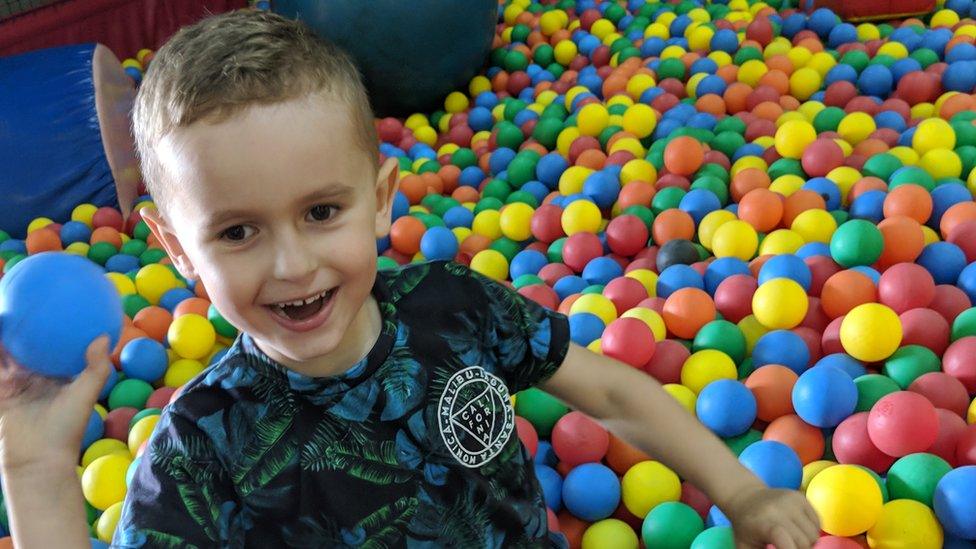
944 261
584 328
781 347
875 80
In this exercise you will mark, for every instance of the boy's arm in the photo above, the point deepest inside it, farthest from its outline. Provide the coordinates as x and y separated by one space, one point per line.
46 508
635 407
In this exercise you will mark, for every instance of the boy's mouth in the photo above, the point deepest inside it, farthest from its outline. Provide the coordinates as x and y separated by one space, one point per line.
302 309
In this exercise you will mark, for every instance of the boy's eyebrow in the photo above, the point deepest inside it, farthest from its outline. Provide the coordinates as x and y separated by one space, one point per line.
330 191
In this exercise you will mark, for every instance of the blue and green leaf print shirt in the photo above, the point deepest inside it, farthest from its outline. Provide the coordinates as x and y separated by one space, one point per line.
414 446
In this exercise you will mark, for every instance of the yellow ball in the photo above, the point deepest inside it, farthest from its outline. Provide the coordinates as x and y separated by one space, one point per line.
941 163
140 432
154 280
122 283
793 137
103 482
894 49
191 336
700 38
107 521
815 226
685 396
609 532
646 277
905 523
38 223
944 18
871 332
515 221
582 216
847 499
602 28
552 21
592 119
650 317
78 248
488 223
735 238
780 303
856 127
867 31
565 51
426 135
571 181
638 170
710 223
490 263
813 469
415 121
103 447
181 371
933 133
804 83
647 485
479 84
706 366
640 120
781 241
752 329
971 414
787 184
751 71
596 346
595 304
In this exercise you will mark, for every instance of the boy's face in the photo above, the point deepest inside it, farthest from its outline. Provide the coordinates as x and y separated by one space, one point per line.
276 210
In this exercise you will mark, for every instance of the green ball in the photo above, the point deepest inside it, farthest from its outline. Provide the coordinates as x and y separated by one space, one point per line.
667 198
555 251
544 55
641 212
716 537
464 158
671 68
220 324
497 188
101 252
746 367
3 238
828 119
915 476
384 263
490 202
150 256
731 124
540 408
721 335
715 185
547 131
526 280
857 59
840 216
431 166
141 231
911 174
714 170
925 57
133 303
524 197
857 242
13 261
909 363
747 54
143 413
743 441
512 108
965 132
129 392
520 171
965 324
727 142
671 525
882 165
507 247
593 289
509 135
871 388
134 247
515 61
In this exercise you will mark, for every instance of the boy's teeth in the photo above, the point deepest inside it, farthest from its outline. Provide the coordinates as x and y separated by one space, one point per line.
301 302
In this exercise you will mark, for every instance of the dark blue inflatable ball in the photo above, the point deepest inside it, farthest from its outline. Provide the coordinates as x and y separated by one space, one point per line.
793 24
842 34
944 261
822 21
960 76
411 54
875 80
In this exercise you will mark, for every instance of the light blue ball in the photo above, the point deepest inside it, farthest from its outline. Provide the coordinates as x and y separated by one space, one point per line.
824 396
144 358
726 407
591 491
774 463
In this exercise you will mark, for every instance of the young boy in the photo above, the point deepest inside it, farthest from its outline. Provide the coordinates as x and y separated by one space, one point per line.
356 408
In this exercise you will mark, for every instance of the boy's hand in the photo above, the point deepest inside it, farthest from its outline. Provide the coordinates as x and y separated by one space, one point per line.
783 518
42 420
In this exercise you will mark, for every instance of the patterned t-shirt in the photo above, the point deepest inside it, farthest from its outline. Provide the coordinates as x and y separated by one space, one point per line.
414 446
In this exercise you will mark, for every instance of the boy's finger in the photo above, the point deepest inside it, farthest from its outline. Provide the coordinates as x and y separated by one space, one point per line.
809 531
782 538
91 380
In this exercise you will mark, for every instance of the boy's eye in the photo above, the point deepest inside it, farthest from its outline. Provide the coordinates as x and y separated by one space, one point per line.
321 212
237 233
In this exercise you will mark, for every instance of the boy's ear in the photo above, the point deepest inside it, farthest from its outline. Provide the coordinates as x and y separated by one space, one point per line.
387 183
167 238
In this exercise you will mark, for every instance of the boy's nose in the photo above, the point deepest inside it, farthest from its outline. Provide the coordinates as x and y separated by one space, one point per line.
293 261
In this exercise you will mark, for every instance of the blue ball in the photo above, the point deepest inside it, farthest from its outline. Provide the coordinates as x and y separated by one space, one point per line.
869 206
144 358
15 245
967 281
52 306
174 297
850 365
569 285
699 203
824 396
944 261
122 263
500 159
527 262
725 40
945 197
676 277
480 119
652 47
382 244
717 518
961 7
811 249
904 66
793 24
458 216
401 205
781 347
786 266
953 502
960 76
552 486
584 328
722 268
825 188
890 119
549 168
439 243
726 407
537 189
962 51
113 378
75 231
705 65
875 80
822 21
97 543
936 40
842 34
93 431
602 188
711 84
841 72
774 463
591 491
869 272
601 270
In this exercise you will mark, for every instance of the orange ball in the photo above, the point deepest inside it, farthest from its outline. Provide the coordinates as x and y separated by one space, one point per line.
474 243
621 456
805 439
870 147
736 96
154 321
903 240
865 184
747 180
405 234
711 103
684 155
572 527
593 159
193 305
671 224
909 200
413 187
687 310
799 202
958 213
107 234
43 240
761 208
845 290
637 193
772 385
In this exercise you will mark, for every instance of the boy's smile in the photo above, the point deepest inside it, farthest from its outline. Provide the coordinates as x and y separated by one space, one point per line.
276 210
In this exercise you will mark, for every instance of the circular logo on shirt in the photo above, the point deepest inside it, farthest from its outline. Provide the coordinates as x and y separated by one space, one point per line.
475 416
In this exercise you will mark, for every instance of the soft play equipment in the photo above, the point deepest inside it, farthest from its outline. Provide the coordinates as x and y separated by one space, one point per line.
64 135
411 54
866 10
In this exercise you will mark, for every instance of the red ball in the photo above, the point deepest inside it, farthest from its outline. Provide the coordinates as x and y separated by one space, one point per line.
903 423
852 445
527 434
906 286
816 319
625 292
627 235
695 498
836 542
943 391
733 297
117 423
541 294
821 268
389 129
581 248
959 361
552 272
822 156
949 301
966 447
577 439
552 520
830 341
546 224
107 217
839 94
812 340
925 327
951 430
665 365
760 30
629 340
160 397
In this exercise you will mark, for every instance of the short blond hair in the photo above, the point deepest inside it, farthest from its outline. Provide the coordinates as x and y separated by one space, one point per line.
223 64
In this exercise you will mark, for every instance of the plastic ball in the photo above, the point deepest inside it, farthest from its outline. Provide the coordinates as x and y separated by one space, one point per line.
824 396
903 423
846 498
103 482
683 155
145 359
581 216
629 340
647 485
906 523
490 263
591 491
154 280
953 502
671 525
439 243
735 239
775 463
856 242
871 332
705 367
540 408
726 407
52 306
931 134
191 336
793 137
916 476
780 303
781 347
578 439
687 310
959 361
609 533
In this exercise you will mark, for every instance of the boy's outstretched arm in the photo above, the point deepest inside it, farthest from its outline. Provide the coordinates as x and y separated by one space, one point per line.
635 407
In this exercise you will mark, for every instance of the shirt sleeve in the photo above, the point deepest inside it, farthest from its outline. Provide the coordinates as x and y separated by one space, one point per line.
180 495
531 341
